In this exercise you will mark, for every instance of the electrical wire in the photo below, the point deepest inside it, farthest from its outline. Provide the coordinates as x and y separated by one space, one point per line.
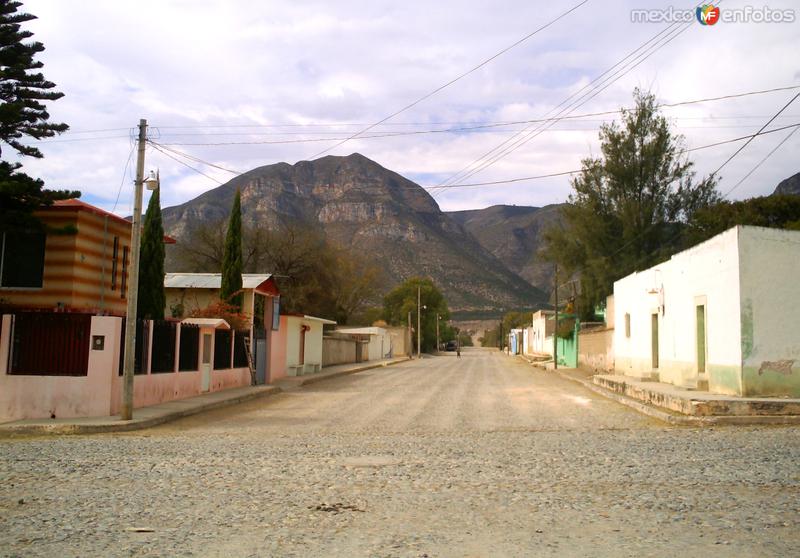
454 80
501 151
176 152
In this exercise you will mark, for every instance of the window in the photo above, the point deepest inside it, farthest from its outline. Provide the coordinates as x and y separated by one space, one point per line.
627 325
22 260
124 282
114 262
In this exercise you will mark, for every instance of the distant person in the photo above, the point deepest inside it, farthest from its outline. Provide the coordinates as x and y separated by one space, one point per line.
458 351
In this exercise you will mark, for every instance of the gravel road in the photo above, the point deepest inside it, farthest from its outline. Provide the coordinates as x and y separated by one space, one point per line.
482 456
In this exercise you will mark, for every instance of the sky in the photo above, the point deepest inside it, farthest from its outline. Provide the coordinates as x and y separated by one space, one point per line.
236 85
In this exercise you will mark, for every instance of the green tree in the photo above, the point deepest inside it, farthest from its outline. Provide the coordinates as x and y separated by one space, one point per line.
628 207
403 299
23 113
777 211
152 299
314 276
498 335
231 288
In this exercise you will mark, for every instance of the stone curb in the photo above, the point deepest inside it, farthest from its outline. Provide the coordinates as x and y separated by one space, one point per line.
135 424
677 419
60 429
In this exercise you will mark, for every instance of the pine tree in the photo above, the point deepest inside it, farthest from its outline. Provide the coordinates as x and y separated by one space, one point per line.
21 91
628 205
22 113
152 299
231 288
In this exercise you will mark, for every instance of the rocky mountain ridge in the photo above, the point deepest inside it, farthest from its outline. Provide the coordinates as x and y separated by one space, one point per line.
357 203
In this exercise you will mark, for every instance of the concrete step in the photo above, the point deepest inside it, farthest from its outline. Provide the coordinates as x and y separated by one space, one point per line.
695 402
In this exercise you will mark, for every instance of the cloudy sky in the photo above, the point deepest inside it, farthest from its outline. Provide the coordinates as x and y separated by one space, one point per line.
245 84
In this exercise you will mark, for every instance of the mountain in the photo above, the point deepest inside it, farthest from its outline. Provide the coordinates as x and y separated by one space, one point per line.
514 235
357 203
790 185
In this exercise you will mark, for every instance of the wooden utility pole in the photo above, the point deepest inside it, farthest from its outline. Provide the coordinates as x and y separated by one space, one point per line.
126 410
419 316
410 337
437 332
555 328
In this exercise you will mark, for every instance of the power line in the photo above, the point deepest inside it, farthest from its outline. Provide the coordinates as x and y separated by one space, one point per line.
675 237
501 151
762 161
163 148
680 152
486 126
454 80
513 144
184 164
751 139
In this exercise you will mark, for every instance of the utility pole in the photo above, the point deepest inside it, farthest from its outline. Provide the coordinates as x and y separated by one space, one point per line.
555 329
410 337
133 280
438 317
419 329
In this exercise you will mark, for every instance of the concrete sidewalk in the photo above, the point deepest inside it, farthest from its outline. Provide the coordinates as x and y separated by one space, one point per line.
681 406
147 417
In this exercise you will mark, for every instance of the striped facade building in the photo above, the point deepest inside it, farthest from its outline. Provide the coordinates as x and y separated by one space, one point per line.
79 265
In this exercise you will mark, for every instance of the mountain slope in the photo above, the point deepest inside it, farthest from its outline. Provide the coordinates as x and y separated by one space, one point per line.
514 234
789 185
358 203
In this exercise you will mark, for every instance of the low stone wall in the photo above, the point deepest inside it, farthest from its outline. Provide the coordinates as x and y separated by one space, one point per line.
596 349
336 350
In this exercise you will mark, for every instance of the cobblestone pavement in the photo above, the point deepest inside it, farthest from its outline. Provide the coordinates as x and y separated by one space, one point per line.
483 456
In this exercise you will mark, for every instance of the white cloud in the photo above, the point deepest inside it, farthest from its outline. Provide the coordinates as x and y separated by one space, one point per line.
202 63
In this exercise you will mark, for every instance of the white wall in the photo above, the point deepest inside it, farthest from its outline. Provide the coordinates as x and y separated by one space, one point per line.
313 341
540 329
770 311
707 273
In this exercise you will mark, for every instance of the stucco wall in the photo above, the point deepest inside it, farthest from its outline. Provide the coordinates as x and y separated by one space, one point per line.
338 351
542 325
313 340
64 396
770 311
99 393
78 267
278 351
596 349
705 274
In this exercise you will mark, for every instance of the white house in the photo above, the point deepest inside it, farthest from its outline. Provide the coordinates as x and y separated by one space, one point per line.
539 338
724 315
380 341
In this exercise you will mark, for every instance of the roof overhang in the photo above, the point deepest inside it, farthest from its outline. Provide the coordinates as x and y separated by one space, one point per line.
215 323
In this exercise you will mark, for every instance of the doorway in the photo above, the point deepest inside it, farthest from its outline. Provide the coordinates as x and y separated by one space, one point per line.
654 340
205 364
700 319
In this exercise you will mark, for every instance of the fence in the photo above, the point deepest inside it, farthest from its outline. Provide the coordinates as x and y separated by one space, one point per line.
91 386
189 356
239 350
47 344
163 350
222 349
141 350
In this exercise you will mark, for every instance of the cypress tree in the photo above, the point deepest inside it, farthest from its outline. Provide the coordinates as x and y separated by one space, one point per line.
151 263
231 288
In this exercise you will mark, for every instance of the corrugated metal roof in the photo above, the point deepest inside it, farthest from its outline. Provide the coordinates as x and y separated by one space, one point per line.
210 280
